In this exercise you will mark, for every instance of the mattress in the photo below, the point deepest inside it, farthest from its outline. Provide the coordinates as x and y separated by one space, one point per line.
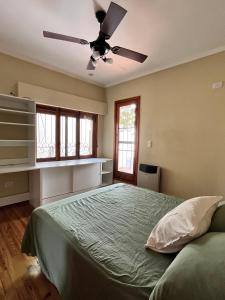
91 246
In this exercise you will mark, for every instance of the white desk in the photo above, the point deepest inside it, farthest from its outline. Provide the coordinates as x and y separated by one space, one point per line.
51 164
51 181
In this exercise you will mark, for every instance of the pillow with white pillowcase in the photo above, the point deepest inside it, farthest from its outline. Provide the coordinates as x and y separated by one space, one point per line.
184 223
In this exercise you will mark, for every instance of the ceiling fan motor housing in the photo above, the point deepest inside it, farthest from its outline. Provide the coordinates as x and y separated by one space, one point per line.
100 45
100 15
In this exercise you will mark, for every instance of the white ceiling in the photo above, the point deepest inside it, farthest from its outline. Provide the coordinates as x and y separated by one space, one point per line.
169 31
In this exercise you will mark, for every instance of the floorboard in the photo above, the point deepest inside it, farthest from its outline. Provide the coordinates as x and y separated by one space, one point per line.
20 275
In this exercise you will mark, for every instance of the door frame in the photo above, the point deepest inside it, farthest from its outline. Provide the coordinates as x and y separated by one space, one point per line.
129 178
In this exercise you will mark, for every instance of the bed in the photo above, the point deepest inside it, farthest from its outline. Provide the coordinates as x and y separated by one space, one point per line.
91 246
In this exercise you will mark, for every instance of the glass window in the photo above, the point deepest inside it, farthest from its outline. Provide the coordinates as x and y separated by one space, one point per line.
46 136
67 136
86 136
58 135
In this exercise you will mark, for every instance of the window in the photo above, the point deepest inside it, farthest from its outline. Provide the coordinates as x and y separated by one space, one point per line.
127 115
87 134
65 134
46 134
68 135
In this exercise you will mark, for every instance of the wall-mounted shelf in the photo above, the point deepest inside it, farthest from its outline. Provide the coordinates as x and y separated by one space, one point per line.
16 124
107 172
13 111
11 98
15 161
15 143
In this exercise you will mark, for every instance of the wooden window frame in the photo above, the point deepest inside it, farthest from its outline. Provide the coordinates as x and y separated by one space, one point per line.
126 177
58 112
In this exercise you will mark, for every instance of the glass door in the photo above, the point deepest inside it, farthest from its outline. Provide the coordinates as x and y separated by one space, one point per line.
127 115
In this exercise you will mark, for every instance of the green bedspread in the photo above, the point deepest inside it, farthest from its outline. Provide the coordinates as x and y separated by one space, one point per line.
197 273
91 246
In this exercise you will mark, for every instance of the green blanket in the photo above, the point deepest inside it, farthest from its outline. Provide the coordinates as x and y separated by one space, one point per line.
197 273
91 246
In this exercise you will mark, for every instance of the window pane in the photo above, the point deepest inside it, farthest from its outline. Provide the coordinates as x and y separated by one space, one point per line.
71 136
86 136
62 136
67 136
126 138
46 139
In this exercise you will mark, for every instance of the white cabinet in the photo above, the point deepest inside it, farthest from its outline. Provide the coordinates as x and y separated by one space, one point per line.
58 180
49 183
86 177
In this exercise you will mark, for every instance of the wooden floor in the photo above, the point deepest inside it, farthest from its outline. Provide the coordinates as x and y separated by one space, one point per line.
20 275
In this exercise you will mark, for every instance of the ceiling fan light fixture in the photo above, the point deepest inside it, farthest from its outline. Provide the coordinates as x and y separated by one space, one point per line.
108 60
106 50
93 60
96 54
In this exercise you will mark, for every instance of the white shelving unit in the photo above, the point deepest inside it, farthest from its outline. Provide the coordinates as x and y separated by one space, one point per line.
17 131
107 172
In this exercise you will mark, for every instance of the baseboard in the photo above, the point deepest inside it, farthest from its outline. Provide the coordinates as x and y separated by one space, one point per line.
14 199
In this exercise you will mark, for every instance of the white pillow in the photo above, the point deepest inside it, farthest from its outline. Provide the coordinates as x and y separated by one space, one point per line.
184 223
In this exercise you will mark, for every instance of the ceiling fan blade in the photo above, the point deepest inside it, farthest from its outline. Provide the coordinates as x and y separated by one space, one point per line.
90 65
139 57
112 19
63 37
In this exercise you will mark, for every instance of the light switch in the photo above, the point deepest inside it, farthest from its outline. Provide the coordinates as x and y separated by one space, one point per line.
217 85
149 144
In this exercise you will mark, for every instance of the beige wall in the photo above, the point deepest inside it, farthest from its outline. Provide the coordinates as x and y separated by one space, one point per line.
20 184
180 113
185 119
13 70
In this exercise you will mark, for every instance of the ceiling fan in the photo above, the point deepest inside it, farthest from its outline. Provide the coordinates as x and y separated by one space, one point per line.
100 48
